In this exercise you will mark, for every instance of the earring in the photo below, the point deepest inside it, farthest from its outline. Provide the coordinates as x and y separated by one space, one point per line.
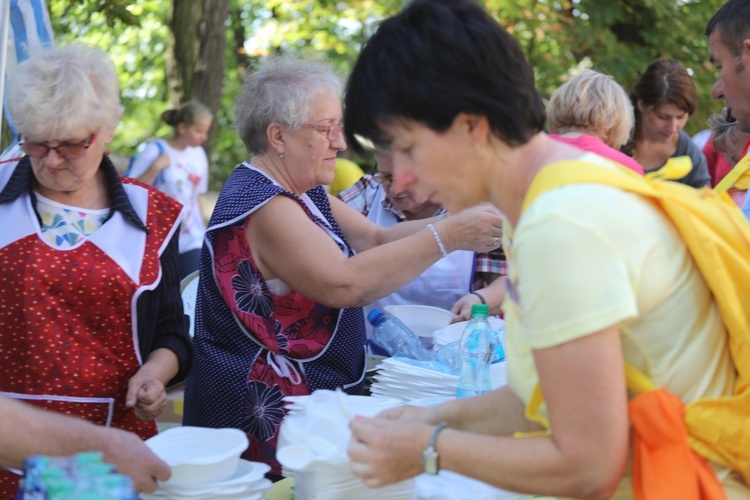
478 151
281 155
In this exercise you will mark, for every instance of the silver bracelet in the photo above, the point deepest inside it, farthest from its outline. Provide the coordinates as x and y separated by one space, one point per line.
437 239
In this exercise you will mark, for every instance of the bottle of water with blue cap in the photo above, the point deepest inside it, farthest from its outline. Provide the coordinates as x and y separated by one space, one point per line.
477 347
396 338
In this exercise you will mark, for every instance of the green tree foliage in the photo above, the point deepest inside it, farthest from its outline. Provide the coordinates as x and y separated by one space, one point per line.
135 35
559 36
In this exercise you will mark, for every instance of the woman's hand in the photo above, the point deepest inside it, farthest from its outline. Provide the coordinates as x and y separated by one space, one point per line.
462 307
383 451
146 394
133 458
478 229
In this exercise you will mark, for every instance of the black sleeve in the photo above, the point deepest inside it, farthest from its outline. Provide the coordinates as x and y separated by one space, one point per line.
161 319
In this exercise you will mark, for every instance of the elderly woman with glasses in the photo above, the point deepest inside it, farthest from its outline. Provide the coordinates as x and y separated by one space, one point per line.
91 314
463 279
286 268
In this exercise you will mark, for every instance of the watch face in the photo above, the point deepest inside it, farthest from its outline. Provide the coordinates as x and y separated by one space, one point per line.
430 461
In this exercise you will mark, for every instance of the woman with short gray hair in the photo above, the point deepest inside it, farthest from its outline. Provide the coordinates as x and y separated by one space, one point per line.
286 268
91 314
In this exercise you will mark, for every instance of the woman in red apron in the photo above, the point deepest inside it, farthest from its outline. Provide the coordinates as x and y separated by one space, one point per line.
91 315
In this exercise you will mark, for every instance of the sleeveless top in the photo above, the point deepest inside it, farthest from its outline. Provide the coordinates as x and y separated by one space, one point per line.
253 347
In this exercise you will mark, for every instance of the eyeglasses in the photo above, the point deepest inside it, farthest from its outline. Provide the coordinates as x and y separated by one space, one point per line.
66 150
384 180
332 132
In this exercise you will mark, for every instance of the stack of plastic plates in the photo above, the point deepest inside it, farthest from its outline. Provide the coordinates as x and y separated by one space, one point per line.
336 482
248 483
313 442
206 464
406 382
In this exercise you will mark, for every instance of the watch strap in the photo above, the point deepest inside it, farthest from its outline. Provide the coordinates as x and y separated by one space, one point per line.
430 456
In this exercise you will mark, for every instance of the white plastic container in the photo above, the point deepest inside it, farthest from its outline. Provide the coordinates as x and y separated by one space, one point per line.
422 320
199 455
452 333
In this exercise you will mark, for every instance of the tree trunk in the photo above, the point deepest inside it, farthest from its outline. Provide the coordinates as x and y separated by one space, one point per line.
195 69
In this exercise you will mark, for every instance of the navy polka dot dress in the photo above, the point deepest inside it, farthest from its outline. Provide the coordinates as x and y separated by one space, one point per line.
252 347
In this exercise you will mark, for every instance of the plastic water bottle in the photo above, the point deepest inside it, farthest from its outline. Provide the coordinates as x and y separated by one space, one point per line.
477 350
396 338
499 350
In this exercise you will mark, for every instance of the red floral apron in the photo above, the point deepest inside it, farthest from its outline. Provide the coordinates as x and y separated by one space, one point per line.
67 339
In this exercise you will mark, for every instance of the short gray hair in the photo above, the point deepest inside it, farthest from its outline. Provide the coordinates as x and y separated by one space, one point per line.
722 128
60 89
280 90
592 103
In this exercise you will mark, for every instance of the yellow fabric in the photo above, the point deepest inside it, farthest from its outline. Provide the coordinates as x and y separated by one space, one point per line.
718 238
562 265
346 173
675 168
738 177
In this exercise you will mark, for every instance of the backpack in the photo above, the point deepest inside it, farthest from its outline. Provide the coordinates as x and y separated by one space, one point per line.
717 236
139 150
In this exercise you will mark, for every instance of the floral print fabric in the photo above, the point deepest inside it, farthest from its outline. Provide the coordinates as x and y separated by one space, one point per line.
253 347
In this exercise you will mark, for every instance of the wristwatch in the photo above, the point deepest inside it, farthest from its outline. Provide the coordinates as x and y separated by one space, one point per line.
430 457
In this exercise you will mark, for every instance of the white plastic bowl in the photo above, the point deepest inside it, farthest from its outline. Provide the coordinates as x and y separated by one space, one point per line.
422 320
199 455
452 333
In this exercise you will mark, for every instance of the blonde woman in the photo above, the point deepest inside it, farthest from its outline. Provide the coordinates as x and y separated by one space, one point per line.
591 111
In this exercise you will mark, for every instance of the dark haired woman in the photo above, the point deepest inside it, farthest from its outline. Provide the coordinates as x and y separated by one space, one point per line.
663 98
178 166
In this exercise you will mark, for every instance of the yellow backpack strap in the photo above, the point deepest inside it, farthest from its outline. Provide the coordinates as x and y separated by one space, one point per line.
636 380
532 413
728 181
580 172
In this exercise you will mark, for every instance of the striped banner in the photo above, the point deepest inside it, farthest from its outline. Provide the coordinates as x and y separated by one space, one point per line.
29 29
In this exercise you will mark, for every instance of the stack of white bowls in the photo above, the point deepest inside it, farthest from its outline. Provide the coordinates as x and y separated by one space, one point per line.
313 442
206 464
452 333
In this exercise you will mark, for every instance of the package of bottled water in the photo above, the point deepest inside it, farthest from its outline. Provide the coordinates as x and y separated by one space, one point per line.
84 476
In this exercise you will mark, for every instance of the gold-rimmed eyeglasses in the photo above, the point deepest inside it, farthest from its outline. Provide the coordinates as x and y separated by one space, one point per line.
332 132
66 150
383 179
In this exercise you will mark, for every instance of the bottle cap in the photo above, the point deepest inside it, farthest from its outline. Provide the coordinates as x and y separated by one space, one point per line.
375 317
480 310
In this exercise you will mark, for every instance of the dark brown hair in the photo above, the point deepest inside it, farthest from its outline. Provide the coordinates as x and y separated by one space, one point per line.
665 81
187 114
